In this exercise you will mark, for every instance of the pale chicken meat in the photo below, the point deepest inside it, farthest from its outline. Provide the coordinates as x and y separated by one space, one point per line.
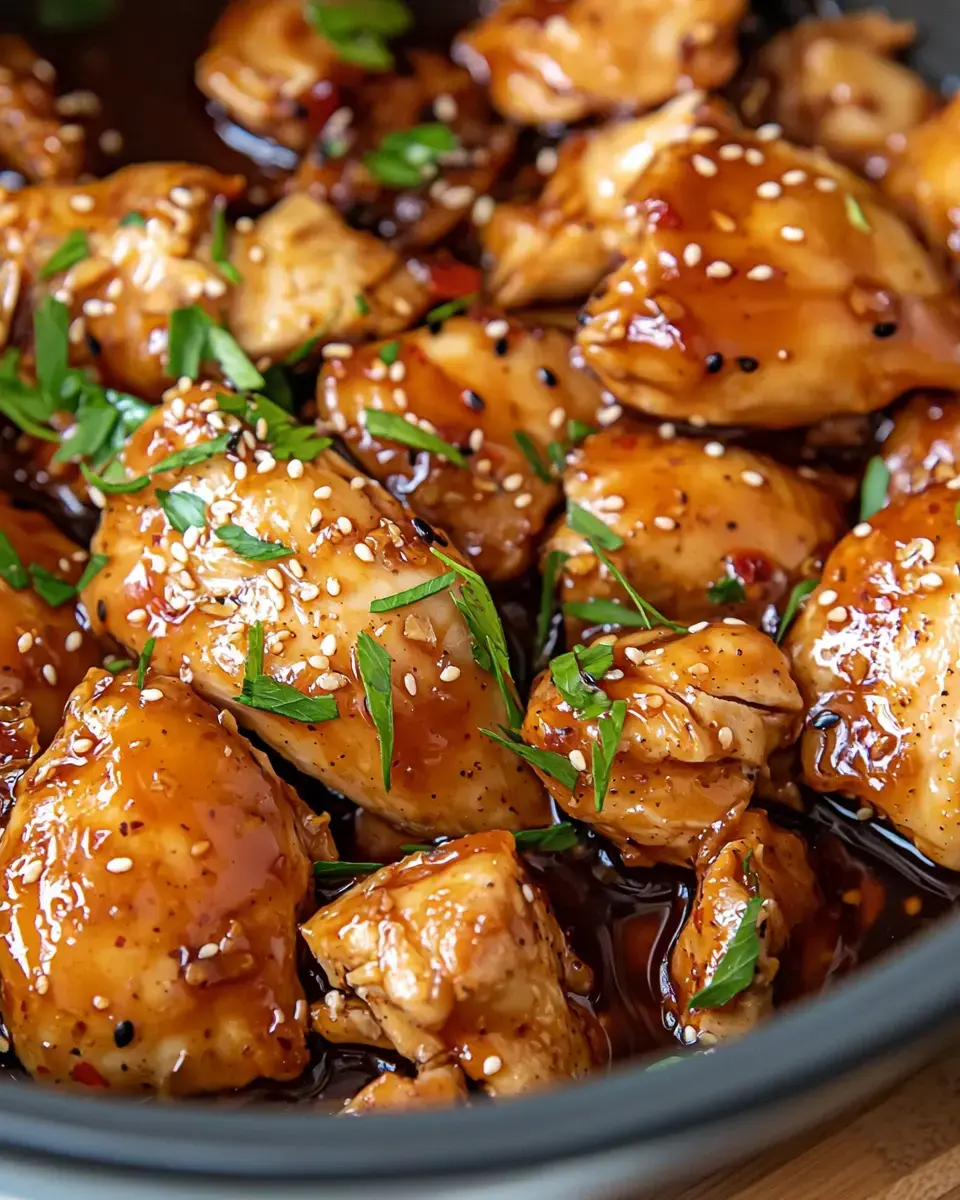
152 878
758 861
922 446
703 712
772 288
436 93
148 231
34 140
560 60
479 384
559 246
335 543
924 181
269 69
876 653
457 953
433 1087
46 645
836 83
707 529
303 270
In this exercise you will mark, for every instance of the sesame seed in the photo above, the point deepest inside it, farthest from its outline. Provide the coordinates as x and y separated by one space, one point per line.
208 950
82 745
823 183
492 1064
792 178
266 464
760 273
715 449
725 737
827 598
319 662
864 529
328 644
397 371
524 500
120 866
191 537
754 156
528 893
930 580
295 468
239 470
692 253
865 813
609 414
450 674
719 269
704 166
24 642
733 621
179 552
731 151
42 984
752 478
80 202
577 761
333 586
837 614
331 681
769 190
149 695
410 683
699 668
32 871
358 483
363 552
475 440
665 523
49 672
634 655
199 849
100 1003
699 627
344 524
769 132
653 701
137 616
482 210
275 577
513 483
496 329
309 591
792 233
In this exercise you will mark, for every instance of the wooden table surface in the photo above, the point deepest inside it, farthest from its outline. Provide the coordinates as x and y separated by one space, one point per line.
905 1147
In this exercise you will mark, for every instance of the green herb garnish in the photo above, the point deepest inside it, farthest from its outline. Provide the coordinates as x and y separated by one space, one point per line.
191 456
51 321
133 218
193 336
873 490
451 308
218 244
532 455
562 836
74 248
143 663
114 486
261 692
406 157
728 590
374 663
394 428
597 611
359 29
250 547
557 766
797 595
575 676
182 509
609 731
49 587
548 599
412 595
855 214
389 352
11 568
592 528
363 308
650 614
116 665
332 869
95 564
735 970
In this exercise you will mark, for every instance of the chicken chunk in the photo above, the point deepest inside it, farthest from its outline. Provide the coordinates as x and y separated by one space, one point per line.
321 551
875 653
479 385
152 877
704 710
924 181
46 645
757 860
19 746
560 246
560 60
270 70
148 233
836 83
33 139
303 271
409 216
772 288
434 1087
923 445
707 530
456 952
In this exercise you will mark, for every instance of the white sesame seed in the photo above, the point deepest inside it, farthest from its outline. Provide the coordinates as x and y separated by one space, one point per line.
80 202
754 156
73 641
823 183
337 350
725 737
513 483
528 893
715 449
827 598
719 269
450 674
634 655
731 151
208 950
769 190
120 866
482 210
769 132
397 372
295 468
101 1003
496 329
266 464
864 529
179 552
733 621
49 672
42 985
410 683
31 871
275 577
760 273
309 591
837 614
475 440
323 493
699 627
792 233
344 524
753 478
149 695
692 253
82 744
577 761
792 178
609 414
358 483
239 470
191 537
665 523
930 580
865 813
492 1064
24 642
333 586
331 681
704 166
524 500
363 552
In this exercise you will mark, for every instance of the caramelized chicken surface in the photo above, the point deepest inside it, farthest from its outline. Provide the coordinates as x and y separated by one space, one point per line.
758 860
151 881
772 288
560 60
704 710
923 445
875 654
303 269
924 181
271 71
19 746
45 648
33 139
340 542
708 530
836 83
433 1087
457 952
562 244
435 92
148 232
479 385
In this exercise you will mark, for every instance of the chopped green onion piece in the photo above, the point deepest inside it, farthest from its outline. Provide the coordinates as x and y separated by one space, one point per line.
591 527
412 595
609 732
51 320
443 312
575 674
557 766
389 352
394 428
74 248
363 308
532 455
114 487
186 342
855 214
143 663
799 592
235 365
374 663
95 565
49 587
578 430
182 509
190 456
406 157
218 244
606 612
548 600
261 692
562 836
735 970
133 218
873 490
247 546
332 869
11 568
728 590
116 665
644 607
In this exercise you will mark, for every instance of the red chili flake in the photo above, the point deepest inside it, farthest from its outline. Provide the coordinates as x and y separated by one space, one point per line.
321 102
752 566
450 279
625 441
88 1075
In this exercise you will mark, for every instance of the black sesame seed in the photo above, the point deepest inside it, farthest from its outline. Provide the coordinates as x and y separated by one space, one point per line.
122 1034
546 376
714 363
428 533
234 443
473 401
825 720
500 347
747 364
884 329
583 317
93 345
101 610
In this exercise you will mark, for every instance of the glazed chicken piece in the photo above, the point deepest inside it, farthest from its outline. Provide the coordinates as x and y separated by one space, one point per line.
148 230
303 270
875 652
152 877
704 710
434 1087
478 384
696 519
772 288
924 181
836 83
33 139
417 216
923 445
45 648
19 746
342 542
560 60
271 71
560 246
456 952
758 859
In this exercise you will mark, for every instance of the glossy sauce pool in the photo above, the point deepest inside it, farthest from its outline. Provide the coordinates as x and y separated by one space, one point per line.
621 922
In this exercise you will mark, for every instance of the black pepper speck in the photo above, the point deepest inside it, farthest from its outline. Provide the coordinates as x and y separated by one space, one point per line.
123 1034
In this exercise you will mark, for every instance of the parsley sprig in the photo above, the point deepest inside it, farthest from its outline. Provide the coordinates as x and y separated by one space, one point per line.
374 663
406 158
270 695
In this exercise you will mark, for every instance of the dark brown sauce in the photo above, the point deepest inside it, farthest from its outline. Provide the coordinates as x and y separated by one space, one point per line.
622 922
